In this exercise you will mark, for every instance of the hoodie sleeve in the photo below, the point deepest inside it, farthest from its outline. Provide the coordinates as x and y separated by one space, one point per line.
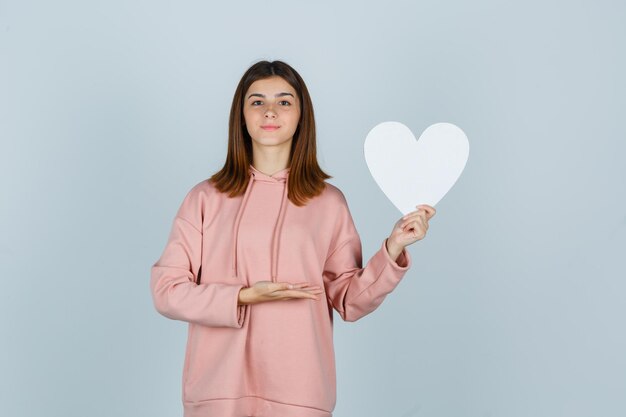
355 291
174 276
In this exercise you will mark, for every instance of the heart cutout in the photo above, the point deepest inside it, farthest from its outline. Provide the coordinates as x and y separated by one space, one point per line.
412 172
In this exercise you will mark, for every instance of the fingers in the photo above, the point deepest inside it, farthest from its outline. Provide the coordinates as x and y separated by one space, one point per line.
277 286
415 222
264 291
430 211
287 291
423 210
304 294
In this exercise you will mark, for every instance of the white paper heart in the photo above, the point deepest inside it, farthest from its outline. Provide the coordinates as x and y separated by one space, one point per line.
412 172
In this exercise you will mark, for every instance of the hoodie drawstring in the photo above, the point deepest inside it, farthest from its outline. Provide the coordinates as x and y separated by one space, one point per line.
279 222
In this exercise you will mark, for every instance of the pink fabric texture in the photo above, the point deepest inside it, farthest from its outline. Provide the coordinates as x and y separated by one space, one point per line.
276 358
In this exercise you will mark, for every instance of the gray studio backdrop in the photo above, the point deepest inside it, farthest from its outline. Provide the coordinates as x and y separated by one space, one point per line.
515 304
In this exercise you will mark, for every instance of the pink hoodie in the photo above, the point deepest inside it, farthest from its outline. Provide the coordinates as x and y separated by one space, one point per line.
275 358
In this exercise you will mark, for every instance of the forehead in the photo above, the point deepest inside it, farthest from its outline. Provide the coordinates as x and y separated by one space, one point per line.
271 86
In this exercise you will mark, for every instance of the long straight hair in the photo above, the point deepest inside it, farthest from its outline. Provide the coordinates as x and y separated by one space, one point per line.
306 178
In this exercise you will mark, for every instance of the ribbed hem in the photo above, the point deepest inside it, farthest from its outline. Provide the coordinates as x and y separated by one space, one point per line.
250 407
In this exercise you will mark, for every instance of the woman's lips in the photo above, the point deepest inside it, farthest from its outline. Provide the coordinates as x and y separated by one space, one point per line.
269 127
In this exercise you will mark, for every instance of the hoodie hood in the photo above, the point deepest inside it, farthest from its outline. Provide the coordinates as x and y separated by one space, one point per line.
280 177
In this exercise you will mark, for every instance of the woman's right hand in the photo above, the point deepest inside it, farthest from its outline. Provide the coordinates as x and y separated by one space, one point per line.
263 291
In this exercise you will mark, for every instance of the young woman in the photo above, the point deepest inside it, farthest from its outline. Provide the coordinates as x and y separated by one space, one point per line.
261 253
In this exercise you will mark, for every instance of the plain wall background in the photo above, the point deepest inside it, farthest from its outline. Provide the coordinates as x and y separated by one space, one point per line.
515 305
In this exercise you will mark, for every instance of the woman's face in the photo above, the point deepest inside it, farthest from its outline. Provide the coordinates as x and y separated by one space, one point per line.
271 102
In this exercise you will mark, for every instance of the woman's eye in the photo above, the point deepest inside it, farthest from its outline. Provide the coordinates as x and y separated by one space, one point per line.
285 101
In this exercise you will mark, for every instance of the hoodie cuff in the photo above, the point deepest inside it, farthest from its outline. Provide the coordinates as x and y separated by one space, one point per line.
240 310
402 263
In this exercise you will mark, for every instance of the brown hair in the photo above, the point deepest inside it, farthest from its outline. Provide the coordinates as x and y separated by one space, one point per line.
306 178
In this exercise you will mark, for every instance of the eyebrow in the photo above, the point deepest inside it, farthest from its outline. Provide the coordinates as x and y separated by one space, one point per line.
263 95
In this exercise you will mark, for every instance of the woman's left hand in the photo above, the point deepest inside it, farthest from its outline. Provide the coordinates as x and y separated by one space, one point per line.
410 228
